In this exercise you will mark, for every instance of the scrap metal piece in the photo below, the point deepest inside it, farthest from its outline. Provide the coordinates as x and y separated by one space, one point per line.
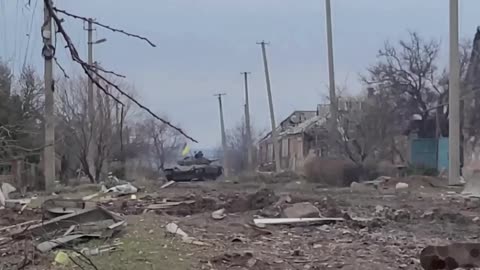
51 244
64 222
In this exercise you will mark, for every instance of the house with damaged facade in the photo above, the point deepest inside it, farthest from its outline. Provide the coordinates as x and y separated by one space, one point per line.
298 134
305 133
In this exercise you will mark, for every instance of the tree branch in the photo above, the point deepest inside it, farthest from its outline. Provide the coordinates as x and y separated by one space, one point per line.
89 70
104 26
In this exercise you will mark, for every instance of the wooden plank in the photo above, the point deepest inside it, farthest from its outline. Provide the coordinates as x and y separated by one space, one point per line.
168 205
286 221
169 183
30 222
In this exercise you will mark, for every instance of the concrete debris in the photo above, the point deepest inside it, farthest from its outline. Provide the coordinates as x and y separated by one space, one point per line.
18 204
401 186
283 200
123 189
87 220
356 187
6 189
219 214
99 250
301 210
428 214
174 229
2 199
400 215
379 209
239 239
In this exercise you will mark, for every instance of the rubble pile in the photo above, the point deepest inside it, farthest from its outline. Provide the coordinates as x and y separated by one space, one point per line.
264 228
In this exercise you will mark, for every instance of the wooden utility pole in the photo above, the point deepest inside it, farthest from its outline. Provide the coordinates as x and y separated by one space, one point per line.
226 164
454 100
276 148
48 54
247 123
91 105
331 72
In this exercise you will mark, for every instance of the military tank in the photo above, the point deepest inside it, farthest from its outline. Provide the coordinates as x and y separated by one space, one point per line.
196 168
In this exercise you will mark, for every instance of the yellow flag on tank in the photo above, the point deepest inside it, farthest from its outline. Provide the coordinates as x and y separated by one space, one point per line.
186 150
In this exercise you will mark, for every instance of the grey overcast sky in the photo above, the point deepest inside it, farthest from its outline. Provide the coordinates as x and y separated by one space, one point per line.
203 45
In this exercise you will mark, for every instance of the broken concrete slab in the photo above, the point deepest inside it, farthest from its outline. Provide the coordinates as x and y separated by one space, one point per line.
301 210
219 214
174 229
7 189
401 186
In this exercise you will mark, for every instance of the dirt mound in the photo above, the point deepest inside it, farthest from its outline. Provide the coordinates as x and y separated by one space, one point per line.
244 260
10 216
254 201
201 205
269 177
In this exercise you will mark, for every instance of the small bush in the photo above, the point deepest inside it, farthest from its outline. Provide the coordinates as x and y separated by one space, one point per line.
333 172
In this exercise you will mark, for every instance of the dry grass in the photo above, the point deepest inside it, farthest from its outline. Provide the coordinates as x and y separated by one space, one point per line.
145 246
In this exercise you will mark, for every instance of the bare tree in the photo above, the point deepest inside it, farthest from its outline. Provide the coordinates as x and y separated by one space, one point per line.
471 92
164 142
237 143
75 126
20 119
367 127
409 74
